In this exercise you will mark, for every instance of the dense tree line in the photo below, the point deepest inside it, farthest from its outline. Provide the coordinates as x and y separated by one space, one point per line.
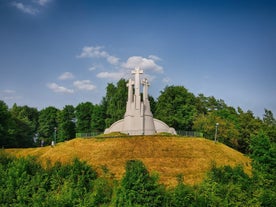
23 126
24 182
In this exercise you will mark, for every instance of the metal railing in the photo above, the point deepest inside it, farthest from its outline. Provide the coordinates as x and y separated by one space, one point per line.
138 132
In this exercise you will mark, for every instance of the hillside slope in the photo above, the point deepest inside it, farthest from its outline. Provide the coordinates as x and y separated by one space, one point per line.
169 156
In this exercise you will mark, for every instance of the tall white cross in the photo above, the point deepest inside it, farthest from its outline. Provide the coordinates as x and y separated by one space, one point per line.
130 90
146 84
137 73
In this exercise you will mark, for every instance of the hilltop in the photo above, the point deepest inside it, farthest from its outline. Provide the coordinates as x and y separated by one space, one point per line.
166 155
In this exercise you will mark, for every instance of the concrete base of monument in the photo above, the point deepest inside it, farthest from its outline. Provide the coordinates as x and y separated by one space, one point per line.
159 127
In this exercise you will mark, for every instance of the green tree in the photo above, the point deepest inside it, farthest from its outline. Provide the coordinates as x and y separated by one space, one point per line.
4 124
115 99
97 119
83 115
138 187
248 126
66 126
23 127
181 195
226 186
227 132
263 153
175 106
152 105
269 125
47 123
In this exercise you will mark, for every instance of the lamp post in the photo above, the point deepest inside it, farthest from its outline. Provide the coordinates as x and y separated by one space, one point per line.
216 132
55 135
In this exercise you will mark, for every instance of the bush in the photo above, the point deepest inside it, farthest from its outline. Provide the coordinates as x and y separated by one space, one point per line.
138 187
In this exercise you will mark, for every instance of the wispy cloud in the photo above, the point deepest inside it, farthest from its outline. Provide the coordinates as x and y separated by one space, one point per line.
84 85
111 75
32 7
154 57
59 89
9 91
98 52
25 8
9 95
42 2
66 76
166 80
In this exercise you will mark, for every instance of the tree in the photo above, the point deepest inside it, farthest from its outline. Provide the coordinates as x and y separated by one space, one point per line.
226 186
181 195
97 119
269 125
227 132
66 127
152 105
263 153
23 126
4 124
138 187
248 126
175 106
116 98
83 115
47 123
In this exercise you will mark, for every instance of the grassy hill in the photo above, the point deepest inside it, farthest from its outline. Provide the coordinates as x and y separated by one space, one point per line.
168 156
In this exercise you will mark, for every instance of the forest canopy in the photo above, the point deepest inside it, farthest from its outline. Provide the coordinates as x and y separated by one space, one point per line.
24 126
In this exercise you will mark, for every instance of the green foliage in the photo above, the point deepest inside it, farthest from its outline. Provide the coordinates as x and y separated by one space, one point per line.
227 186
4 124
263 153
248 125
83 115
269 125
97 119
138 187
115 100
226 133
102 192
47 123
175 106
66 129
181 195
24 182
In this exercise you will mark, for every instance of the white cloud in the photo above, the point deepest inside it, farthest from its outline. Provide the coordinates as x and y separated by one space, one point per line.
59 89
111 75
166 80
84 85
112 60
92 68
142 63
97 52
24 8
42 2
9 91
66 76
154 57
9 95
9 98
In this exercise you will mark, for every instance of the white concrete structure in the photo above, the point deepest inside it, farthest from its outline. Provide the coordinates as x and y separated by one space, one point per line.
138 119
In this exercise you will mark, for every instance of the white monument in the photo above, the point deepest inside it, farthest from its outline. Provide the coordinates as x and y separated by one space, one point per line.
138 119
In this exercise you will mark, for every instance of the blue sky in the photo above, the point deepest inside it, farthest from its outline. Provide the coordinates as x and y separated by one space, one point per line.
60 52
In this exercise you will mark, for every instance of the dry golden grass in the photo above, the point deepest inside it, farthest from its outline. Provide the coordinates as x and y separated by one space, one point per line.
168 156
